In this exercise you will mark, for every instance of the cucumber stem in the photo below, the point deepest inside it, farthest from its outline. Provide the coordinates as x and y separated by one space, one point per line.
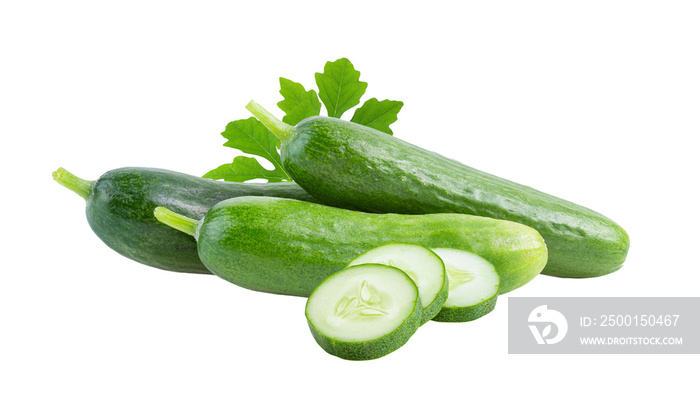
177 221
67 179
282 130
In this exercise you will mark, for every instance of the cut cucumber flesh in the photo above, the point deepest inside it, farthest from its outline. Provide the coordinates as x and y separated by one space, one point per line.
421 264
364 312
473 286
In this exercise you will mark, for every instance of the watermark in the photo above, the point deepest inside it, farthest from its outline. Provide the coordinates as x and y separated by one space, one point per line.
603 325
548 317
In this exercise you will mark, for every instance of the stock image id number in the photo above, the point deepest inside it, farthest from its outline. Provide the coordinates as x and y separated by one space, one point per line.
630 320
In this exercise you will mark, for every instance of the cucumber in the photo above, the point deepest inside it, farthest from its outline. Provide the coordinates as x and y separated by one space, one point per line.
289 246
348 165
474 286
364 312
421 264
120 210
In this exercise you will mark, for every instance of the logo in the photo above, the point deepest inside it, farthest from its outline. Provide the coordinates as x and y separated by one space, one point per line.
542 315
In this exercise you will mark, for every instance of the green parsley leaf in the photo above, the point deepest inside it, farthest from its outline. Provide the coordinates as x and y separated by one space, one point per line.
339 87
246 168
252 137
378 114
300 113
298 104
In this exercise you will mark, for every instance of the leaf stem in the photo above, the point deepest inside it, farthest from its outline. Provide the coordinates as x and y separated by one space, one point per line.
67 179
177 221
280 129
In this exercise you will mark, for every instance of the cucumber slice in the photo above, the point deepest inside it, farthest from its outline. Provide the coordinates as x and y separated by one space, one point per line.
364 312
421 264
473 288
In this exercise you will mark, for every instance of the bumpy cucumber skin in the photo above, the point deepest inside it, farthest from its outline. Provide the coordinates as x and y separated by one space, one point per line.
289 247
120 212
466 314
352 166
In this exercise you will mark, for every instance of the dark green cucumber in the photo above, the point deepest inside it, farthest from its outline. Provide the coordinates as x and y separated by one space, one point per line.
289 246
120 210
352 166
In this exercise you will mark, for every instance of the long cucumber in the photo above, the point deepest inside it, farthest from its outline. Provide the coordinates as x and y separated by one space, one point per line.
289 246
119 208
348 165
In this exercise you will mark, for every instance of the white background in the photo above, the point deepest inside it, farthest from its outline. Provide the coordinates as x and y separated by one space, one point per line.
596 102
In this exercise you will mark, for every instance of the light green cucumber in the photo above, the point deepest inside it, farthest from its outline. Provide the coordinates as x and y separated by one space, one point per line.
474 286
289 246
364 312
421 264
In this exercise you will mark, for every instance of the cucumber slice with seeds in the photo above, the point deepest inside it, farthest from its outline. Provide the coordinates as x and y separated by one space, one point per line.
473 286
421 264
364 312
